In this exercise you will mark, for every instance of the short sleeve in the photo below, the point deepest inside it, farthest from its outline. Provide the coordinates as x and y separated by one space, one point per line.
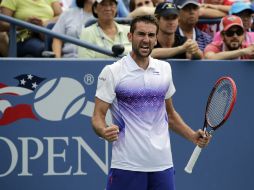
171 87
10 4
106 86
59 27
212 47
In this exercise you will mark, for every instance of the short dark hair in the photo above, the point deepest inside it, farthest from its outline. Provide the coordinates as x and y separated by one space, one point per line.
146 19
80 3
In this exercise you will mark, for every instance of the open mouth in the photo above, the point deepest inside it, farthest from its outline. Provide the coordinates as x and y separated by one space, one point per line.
145 47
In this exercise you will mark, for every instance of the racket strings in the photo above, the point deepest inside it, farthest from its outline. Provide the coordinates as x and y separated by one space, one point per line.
220 103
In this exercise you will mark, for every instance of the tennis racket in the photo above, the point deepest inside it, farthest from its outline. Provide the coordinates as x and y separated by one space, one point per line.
219 106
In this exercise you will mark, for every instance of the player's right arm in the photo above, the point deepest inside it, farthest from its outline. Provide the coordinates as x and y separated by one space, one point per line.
109 133
177 124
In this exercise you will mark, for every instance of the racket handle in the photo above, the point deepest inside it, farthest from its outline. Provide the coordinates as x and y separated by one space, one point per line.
193 160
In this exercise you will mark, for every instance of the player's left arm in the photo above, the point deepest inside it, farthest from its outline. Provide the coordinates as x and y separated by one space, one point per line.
177 124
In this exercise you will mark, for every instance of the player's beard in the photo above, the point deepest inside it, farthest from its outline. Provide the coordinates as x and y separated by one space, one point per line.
142 50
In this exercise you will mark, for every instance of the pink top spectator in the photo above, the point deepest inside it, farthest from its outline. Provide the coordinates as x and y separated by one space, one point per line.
218 46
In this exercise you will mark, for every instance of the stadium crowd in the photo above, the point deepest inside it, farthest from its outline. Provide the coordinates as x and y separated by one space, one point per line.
180 34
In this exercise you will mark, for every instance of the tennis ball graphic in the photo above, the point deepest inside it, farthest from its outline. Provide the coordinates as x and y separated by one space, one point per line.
59 99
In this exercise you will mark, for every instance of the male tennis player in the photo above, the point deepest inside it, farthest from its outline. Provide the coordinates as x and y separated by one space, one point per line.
138 91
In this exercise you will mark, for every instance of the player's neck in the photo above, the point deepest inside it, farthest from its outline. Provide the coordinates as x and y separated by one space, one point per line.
166 40
142 62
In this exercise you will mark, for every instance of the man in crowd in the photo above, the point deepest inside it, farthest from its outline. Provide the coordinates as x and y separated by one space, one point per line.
232 45
188 18
171 45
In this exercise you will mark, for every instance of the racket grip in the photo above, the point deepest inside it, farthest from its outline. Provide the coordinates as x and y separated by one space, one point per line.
192 160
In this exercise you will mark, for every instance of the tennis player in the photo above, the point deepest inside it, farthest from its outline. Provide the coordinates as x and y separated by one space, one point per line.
138 90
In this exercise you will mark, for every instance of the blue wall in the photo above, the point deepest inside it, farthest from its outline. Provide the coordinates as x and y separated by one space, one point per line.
65 153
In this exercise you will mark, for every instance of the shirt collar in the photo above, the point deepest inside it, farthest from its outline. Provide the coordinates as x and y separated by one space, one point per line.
118 27
132 65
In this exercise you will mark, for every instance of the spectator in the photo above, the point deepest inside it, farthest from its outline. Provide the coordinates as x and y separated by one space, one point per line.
244 11
141 7
36 12
71 23
233 45
169 44
188 18
105 32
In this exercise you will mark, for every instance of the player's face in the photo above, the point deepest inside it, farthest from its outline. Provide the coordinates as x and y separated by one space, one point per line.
143 39
233 37
168 24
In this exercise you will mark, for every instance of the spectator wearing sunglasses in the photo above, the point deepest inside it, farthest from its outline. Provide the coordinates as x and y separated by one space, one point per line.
232 45
244 10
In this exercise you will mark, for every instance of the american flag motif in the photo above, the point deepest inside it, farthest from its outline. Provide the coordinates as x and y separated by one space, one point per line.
11 113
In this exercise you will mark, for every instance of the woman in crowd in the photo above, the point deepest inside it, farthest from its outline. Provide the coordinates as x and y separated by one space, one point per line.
71 23
38 12
105 32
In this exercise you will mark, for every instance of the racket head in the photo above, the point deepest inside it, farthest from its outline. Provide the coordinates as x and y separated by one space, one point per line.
220 102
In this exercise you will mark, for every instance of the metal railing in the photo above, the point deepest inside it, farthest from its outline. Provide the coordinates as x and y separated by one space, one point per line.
12 36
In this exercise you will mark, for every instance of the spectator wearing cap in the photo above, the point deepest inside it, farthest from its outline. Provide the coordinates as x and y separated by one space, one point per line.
105 32
71 23
244 10
232 45
169 44
188 18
